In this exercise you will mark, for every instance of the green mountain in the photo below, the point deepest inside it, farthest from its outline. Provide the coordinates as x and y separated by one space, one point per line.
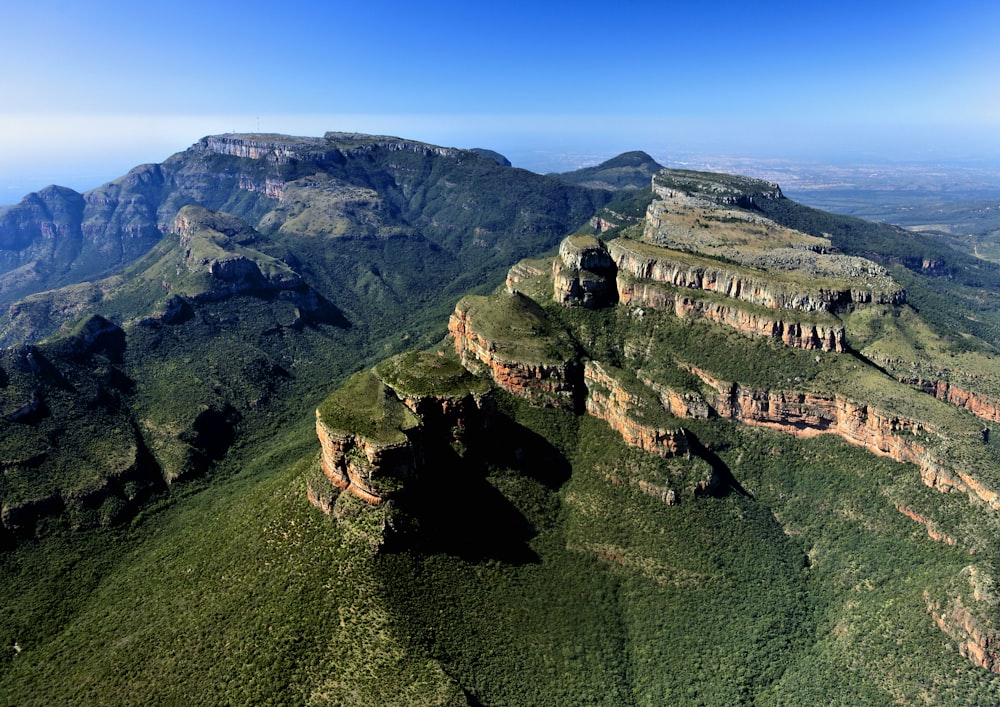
702 445
630 170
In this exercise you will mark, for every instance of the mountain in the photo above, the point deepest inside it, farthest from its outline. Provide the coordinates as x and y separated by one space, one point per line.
630 170
710 322
702 444
259 267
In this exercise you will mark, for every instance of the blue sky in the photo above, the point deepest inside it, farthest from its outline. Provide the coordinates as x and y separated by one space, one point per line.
91 89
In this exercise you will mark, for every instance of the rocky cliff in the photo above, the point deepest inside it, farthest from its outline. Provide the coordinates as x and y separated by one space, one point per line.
640 421
510 338
583 273
644 261
775 324
374 430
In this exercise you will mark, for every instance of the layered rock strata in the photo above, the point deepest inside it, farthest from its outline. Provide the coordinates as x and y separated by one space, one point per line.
373 432
623 410
797 334
361 466
981 406
555 383
661 265
976 639
881 433
583 273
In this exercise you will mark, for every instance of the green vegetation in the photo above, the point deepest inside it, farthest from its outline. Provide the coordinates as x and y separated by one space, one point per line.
422 373
364 405
543 563
517 328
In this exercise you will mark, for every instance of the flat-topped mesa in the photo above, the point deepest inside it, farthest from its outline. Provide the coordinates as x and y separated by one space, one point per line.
279 149
583 273
373 431
508 336
450 402
283 149
712 187
366 437
804 289
359 142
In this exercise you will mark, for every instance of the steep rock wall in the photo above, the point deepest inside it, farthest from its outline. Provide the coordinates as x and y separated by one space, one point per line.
791 333
883 434
732 282
979 405
362 467
552 384
962 620
608 400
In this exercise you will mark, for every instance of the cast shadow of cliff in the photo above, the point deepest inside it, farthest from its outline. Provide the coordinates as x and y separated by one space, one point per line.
455 508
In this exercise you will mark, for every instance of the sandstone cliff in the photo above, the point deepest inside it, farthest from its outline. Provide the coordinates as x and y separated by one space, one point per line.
862 424
775 324
510 337
639 421
960 616
374 430
583 273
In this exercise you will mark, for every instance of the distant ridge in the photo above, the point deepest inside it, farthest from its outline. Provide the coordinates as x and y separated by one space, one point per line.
629 170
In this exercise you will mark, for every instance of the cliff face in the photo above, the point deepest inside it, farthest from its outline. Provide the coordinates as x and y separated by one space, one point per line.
860 424
556 383
960 617
826 337
979 405
657 265
373 433
608 400
583 273
367 469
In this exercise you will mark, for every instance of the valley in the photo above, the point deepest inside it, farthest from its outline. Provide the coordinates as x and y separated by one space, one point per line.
362 420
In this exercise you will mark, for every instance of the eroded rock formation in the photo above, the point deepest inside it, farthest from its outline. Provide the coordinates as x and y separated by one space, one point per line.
624 411
780 325
556 383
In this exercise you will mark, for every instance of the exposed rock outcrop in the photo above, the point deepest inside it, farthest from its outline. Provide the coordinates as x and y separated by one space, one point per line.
932 530
544 371
584 273
961 618
781 325
860 424
979 405
369 470
661 265
629 414
373 432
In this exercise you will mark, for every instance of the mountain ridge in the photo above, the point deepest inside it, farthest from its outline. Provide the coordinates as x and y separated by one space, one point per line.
676 495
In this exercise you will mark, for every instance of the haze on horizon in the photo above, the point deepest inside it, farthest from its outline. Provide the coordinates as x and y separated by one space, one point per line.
91 90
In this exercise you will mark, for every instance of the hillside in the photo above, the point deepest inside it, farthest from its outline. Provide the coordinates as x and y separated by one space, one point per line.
703 446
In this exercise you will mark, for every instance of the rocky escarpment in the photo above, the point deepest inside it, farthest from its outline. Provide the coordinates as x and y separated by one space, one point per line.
367 440
973 593
647 262
752 322
584 273
981 406
640 421
282 149
510 338
374 430
883 433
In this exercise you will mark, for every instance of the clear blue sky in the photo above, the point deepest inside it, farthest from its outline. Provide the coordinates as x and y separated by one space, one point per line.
90 89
